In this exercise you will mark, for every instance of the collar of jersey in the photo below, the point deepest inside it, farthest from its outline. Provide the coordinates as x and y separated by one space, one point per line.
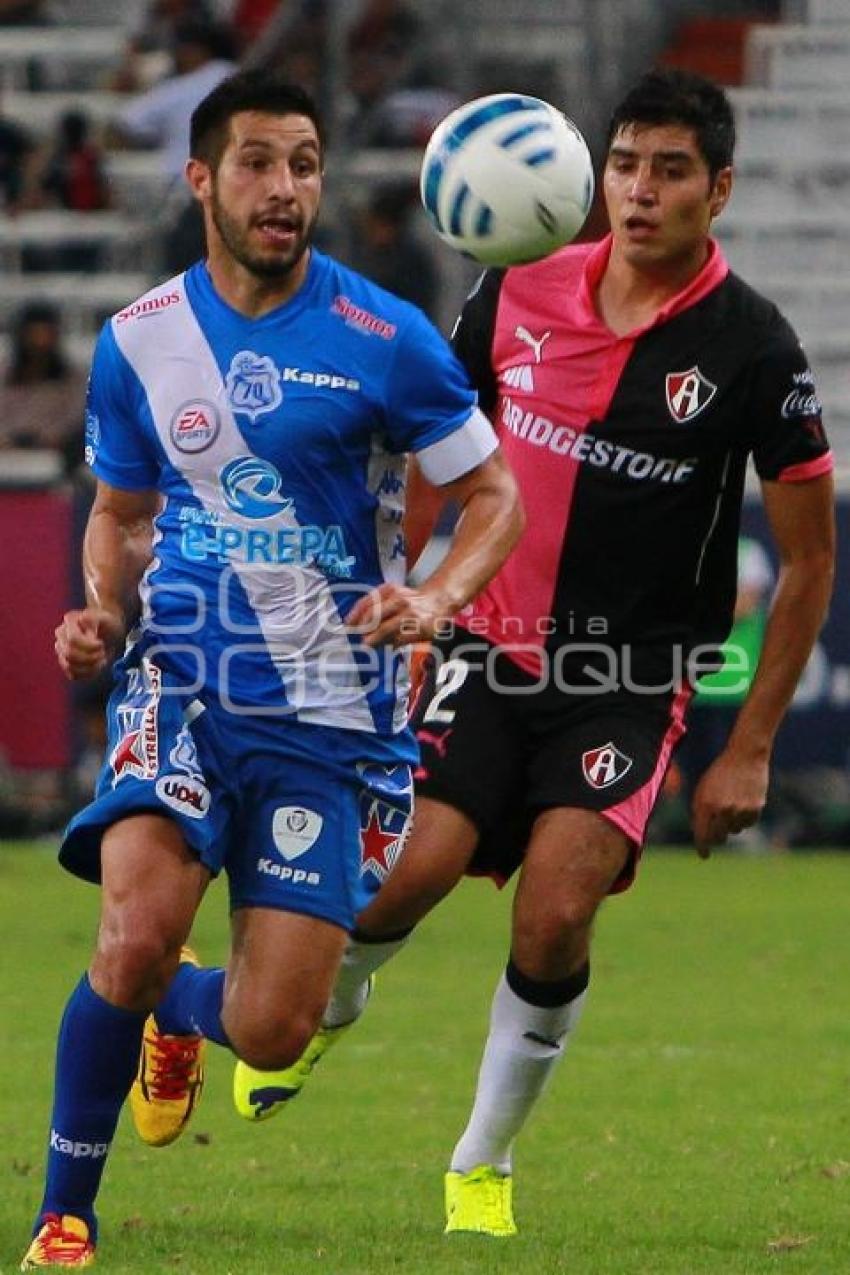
711 276
199 276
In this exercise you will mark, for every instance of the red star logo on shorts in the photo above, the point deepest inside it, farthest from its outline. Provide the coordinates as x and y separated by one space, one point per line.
125 755
376 846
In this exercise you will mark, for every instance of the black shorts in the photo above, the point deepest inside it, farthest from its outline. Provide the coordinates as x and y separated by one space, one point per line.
501 749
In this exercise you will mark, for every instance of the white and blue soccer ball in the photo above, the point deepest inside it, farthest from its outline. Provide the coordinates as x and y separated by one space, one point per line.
506 179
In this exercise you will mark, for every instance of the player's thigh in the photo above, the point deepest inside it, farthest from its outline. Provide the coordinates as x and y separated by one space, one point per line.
152 885
472 760
571 863
606 755
323 816
280 976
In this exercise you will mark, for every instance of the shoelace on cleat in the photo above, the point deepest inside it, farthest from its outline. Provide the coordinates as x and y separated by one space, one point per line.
59 1245
172 1061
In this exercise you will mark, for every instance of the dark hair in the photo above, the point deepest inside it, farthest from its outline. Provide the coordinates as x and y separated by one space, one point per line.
56 366
264 91
670 96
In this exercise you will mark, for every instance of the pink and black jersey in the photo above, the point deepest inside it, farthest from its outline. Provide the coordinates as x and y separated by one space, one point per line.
631 453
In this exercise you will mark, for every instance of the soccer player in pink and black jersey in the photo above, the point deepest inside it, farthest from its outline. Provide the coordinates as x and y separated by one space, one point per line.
630 381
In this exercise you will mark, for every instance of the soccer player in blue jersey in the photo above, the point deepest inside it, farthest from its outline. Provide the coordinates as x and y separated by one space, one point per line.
248 423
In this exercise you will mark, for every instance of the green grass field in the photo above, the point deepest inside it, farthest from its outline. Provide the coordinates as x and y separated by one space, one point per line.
700 1124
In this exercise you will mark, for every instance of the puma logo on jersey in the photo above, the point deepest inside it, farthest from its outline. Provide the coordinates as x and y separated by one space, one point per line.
520 377
536 343
603 766
688 393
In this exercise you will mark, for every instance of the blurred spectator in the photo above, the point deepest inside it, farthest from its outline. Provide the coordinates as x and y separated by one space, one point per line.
42 395
23 13
15 149
249 18
400 116
385 29
70 172
159 118
386 250
147 54
395 101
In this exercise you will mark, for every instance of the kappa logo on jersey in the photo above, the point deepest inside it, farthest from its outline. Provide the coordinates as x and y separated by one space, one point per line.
137 751
295 830
603 766
688 394
253 384
195 426
251 487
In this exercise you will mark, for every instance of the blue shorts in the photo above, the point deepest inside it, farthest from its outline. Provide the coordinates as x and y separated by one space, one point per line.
303 818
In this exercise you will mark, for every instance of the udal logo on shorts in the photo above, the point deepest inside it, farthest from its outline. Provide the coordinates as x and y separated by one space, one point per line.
295 830
605 765
688 393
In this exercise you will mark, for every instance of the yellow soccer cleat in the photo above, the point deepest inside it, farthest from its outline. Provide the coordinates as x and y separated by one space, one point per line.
480 1201
61 1241
170 1081
257 1095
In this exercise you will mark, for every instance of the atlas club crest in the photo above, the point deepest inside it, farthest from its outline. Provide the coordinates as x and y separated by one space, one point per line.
688 394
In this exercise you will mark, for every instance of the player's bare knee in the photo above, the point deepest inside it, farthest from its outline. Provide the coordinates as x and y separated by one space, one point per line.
270 1045
133 967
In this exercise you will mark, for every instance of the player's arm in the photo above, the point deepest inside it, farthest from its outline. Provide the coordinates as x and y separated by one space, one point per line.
116 550
490 523
424 503
733 790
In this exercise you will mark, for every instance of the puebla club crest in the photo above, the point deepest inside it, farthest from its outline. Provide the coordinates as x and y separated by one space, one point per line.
253 384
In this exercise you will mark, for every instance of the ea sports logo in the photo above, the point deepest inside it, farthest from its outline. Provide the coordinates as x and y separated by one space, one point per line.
195 426
605 765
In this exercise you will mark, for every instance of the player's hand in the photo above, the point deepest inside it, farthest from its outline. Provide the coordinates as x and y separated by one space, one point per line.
86 642
395 615
729 797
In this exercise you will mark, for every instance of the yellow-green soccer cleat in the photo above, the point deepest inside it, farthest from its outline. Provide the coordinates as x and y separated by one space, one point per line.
61 1241
480 1201
257 1095
170 1080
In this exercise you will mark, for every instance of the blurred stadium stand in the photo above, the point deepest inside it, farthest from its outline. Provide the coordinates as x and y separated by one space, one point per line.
788 65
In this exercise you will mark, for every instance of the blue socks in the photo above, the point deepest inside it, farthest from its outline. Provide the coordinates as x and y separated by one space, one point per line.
192 1004
97 1055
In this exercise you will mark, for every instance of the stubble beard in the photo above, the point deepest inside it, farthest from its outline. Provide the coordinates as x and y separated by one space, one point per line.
235 240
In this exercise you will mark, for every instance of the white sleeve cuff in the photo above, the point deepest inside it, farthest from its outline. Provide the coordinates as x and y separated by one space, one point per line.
460 451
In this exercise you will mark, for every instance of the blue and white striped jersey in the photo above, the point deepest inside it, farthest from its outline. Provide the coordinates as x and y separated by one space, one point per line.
279 447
